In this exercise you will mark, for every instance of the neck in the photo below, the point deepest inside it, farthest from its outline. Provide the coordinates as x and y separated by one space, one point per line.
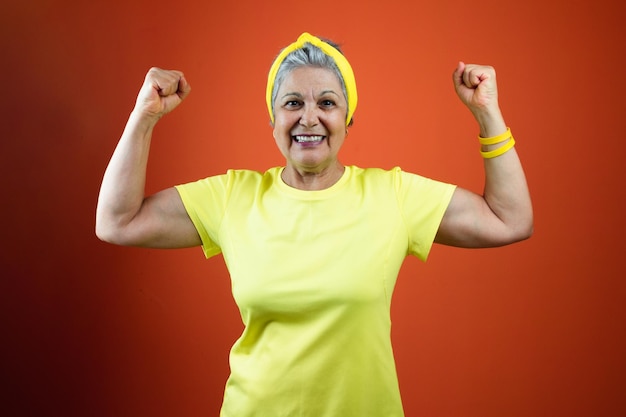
311 180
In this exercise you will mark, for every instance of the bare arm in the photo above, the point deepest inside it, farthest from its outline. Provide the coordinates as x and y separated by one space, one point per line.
124 215
503 214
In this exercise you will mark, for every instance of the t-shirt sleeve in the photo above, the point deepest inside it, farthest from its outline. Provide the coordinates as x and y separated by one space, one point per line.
423 202
205 201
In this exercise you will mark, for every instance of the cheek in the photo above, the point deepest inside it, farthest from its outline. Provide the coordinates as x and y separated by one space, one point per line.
281 134
282 126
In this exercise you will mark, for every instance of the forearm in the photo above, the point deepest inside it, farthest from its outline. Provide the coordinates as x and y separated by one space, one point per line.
506 191
123 184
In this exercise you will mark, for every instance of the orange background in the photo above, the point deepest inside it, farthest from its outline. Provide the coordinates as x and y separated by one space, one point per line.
89 329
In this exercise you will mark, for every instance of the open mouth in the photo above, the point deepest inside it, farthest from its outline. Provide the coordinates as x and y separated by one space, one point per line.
308 139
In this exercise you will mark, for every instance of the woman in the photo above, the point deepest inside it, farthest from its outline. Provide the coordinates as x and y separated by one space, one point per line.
313 248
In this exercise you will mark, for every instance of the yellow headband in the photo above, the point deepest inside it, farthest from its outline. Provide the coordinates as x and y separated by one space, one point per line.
342 63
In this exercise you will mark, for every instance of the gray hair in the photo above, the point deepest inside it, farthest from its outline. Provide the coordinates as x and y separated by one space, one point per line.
307 56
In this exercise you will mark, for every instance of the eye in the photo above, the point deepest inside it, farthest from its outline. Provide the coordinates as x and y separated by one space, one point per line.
327 103
292 104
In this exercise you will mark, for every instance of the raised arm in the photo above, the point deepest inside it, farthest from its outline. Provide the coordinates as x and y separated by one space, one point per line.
503 214
124 215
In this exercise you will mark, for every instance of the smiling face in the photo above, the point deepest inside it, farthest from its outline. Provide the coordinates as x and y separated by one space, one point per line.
310 122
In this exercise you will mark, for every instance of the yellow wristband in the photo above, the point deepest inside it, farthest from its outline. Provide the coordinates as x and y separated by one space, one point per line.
496 139
499 151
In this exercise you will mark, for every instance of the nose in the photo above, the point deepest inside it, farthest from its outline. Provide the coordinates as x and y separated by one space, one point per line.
309 116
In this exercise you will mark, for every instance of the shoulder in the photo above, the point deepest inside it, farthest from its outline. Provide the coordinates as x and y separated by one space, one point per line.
407 186
231 178
394 177
372 174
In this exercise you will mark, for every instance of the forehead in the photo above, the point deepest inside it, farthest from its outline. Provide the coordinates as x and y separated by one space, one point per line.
310 78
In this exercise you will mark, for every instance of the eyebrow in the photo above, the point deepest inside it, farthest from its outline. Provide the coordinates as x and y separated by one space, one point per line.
329 92
291 94
294 94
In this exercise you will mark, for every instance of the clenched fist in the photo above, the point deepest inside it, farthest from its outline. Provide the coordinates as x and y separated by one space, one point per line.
476 86
161 92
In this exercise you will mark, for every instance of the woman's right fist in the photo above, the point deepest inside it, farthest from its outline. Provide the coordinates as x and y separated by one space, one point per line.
161 92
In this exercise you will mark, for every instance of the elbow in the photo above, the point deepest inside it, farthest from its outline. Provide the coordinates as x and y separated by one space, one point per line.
529 225
527 232
118 233
108 233
523 231
104 234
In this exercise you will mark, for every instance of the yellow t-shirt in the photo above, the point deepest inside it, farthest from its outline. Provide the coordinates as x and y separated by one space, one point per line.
312 274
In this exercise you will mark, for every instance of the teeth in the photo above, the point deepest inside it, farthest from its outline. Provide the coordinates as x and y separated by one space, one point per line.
308 138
